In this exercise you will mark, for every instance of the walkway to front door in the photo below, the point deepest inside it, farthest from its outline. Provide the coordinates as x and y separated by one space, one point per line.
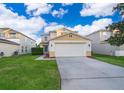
85 74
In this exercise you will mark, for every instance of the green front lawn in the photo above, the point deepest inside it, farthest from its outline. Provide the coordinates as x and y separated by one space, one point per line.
23 72
110 59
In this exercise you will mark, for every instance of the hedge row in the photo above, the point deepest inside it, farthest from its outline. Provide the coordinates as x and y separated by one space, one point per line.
37 51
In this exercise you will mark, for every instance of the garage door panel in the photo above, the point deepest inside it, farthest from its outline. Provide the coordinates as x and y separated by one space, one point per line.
68 50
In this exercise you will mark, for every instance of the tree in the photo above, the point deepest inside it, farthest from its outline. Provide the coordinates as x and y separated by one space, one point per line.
120 8
117 39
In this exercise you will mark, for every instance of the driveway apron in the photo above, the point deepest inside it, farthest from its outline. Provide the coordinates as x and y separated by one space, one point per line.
82 73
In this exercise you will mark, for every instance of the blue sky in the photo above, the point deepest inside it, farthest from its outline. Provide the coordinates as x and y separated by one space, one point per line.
73 14
36 19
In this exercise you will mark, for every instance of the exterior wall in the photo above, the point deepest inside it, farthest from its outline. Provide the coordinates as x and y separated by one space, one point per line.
8 49
2 34
119 53
88 48
24 41
59 32
104 35
43 38
63 31
41 45
74 37
101 47
88 53
52 54
51 49
52 46
52 35
121 47
8 36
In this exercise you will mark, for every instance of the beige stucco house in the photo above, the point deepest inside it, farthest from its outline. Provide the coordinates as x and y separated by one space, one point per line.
24 42
65 43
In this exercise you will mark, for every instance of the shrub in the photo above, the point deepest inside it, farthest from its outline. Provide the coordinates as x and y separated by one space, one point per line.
37 51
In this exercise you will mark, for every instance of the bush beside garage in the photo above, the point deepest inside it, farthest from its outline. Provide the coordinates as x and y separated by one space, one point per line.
37 51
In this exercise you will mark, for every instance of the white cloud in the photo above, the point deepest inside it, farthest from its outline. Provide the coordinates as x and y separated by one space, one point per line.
37 9
33 25
97 9
52 26
95 26
30 26
82 29
59 13
67 4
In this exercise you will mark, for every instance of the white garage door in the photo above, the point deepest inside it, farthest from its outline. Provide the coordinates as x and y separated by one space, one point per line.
70 50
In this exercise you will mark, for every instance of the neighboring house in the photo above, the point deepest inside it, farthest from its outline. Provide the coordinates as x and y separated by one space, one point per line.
65 43
101 47
25 42
8 47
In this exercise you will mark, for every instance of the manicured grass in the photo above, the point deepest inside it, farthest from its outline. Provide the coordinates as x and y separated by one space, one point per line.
110 59
23 72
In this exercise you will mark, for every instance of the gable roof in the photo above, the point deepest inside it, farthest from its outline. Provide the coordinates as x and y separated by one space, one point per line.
68 34
54 31
97 32
8 42
9 29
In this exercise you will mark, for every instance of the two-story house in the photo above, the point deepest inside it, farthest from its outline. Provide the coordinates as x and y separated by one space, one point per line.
25 43
101 47
65 43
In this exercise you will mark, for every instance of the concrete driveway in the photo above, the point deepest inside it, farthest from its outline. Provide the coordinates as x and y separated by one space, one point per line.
85 74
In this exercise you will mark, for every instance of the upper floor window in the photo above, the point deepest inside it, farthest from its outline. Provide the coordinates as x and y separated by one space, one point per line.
13 35
45 38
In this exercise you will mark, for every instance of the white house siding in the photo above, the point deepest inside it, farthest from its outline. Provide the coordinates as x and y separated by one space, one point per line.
51 46
120 51
26 42
8 49
99 47
121 47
